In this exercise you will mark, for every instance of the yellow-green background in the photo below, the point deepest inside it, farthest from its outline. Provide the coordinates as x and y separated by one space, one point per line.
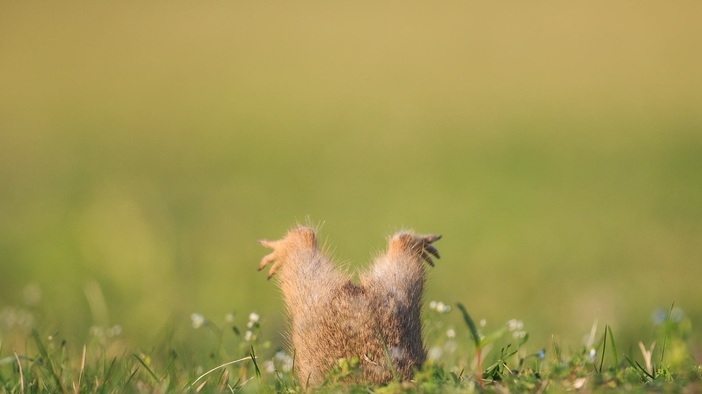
146 146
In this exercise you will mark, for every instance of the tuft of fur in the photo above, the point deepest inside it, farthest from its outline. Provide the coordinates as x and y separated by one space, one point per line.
331 317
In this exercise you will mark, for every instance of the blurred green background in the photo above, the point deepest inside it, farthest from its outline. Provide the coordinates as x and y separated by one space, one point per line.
145 147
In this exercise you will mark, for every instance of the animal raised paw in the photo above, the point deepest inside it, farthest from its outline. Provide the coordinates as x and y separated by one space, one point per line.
298 238
420 245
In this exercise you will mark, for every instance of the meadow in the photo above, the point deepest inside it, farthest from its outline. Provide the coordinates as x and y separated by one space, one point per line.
227 359
145 148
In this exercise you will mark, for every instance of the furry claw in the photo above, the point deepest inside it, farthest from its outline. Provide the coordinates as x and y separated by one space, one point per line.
432 251
268 244
267 259
428 259
432 238
272 272
429 250
420 245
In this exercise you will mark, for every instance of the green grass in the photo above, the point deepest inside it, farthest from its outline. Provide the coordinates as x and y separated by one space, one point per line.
473 357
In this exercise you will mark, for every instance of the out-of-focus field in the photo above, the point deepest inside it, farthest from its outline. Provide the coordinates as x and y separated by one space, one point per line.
145 147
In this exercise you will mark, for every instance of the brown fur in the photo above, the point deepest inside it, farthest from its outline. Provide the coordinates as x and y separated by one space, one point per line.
332 318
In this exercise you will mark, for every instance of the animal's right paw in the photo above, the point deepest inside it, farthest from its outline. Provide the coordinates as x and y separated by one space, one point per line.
299 237
421 245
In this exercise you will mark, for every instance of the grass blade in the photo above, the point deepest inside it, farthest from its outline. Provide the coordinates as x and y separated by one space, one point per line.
638 366
49 362
224 365
108 375
471 324
604 349
667 328
19 366
131 376
388 357
143 363
556 348
614 347
82 370
253 358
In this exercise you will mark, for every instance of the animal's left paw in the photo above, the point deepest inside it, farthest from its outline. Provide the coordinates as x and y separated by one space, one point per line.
298 238
421 245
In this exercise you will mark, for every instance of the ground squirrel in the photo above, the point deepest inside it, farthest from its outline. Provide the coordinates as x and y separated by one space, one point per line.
331 317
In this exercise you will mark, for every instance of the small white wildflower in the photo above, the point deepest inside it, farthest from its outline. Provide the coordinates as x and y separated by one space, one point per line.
451 333
197 320
269 366
519 334
592 354
229 318
253 319
249 335
483 322
105 332
515 325
434 353
97 332
114 331
285 360
280 355
16 317
432 305
442 308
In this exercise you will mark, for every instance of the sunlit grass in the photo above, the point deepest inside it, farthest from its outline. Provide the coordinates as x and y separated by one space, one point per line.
470 357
